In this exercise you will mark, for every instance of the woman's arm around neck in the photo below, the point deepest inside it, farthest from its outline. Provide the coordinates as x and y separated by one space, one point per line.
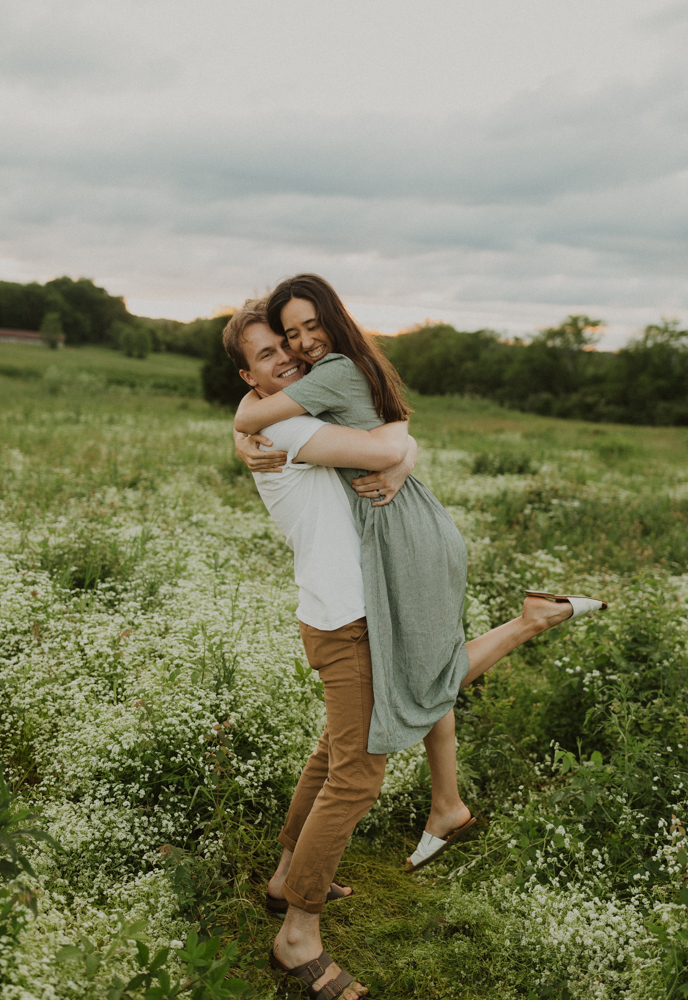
254 413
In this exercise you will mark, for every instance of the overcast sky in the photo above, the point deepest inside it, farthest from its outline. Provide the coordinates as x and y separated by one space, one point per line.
492 163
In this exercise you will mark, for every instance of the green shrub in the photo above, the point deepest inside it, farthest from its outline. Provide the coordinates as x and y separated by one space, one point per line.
51 330
501 464
135 340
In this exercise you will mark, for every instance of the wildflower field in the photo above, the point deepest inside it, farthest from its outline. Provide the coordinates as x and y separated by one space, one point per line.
156 710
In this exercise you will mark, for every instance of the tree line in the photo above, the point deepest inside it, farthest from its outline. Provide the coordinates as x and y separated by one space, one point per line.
558 373
81 313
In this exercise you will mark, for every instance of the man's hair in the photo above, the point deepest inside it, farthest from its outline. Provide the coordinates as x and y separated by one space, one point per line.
252 311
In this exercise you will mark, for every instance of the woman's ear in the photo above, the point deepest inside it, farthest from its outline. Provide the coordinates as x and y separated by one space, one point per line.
247 377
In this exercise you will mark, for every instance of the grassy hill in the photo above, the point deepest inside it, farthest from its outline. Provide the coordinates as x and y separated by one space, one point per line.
96 368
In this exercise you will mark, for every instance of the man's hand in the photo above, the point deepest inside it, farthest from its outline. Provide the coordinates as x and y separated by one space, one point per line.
246 447
387 483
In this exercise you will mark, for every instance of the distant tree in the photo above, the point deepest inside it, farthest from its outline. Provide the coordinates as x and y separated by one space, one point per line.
652 375
574 334
551 368
665 333
87 311
219 376
51 331
134 339
22 307
437 359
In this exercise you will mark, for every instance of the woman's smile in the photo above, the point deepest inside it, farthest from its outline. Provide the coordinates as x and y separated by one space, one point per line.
307 339
318 352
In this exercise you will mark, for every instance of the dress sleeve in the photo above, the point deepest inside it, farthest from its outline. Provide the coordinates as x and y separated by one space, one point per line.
329 386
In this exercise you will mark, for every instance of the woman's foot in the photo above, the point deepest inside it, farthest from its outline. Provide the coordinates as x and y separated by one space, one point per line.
543 614
296 946
442 823
569 605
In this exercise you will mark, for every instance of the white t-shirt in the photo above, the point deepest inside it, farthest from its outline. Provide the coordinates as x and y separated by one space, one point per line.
309 504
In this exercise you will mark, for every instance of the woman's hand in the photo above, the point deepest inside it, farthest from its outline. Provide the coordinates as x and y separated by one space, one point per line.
246 447
389 482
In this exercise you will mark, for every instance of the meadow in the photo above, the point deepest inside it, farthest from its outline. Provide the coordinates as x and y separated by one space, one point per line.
94 368
156 709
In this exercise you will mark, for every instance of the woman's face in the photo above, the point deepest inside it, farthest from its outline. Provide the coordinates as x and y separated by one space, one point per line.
307 339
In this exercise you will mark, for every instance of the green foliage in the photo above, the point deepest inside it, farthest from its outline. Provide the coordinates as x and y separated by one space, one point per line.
221 380
206 967
557 373
496 464
51 330
15 896
86 312
573 335
156 706
134 340
195 338
22 307
90 315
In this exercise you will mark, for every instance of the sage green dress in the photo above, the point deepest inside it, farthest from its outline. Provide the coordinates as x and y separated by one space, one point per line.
414 575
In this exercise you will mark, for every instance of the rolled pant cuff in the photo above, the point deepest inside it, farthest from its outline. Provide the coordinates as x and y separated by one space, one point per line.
294 899
286 841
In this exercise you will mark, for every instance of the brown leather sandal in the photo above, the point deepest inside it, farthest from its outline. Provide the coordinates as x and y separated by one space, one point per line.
310 971
276 905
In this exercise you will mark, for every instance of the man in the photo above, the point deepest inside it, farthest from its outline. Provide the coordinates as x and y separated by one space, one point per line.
341 780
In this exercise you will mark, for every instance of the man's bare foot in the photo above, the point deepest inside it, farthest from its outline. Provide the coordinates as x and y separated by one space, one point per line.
277 880
542 614
294 949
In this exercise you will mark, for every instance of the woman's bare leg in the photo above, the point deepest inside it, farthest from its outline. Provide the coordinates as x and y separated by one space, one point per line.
448 811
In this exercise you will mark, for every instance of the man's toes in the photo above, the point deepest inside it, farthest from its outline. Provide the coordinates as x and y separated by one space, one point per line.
340 891
355 991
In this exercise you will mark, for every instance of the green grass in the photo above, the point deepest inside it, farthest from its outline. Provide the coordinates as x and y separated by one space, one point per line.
93 368
479 425
135 501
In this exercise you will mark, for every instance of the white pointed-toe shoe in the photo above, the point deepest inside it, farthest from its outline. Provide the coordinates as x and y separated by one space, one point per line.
581 605
431 847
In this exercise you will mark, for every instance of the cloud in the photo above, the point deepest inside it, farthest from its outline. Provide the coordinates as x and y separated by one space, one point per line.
122 158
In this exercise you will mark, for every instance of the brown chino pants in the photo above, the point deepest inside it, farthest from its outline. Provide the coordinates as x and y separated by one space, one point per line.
341 780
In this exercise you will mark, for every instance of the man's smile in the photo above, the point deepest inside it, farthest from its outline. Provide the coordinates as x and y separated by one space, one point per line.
289 372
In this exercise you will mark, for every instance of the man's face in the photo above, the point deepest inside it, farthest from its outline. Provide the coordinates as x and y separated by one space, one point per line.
271 365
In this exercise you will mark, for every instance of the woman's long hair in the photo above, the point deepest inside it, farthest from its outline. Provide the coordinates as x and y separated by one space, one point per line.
347 339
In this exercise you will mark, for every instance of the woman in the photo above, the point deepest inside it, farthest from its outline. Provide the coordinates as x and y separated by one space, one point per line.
412 555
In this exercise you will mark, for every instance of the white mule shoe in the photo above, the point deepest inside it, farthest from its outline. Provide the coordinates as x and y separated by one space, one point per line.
431 847
581 605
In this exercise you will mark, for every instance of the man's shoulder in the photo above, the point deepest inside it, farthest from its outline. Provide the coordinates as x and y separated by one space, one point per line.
292 424
291 435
